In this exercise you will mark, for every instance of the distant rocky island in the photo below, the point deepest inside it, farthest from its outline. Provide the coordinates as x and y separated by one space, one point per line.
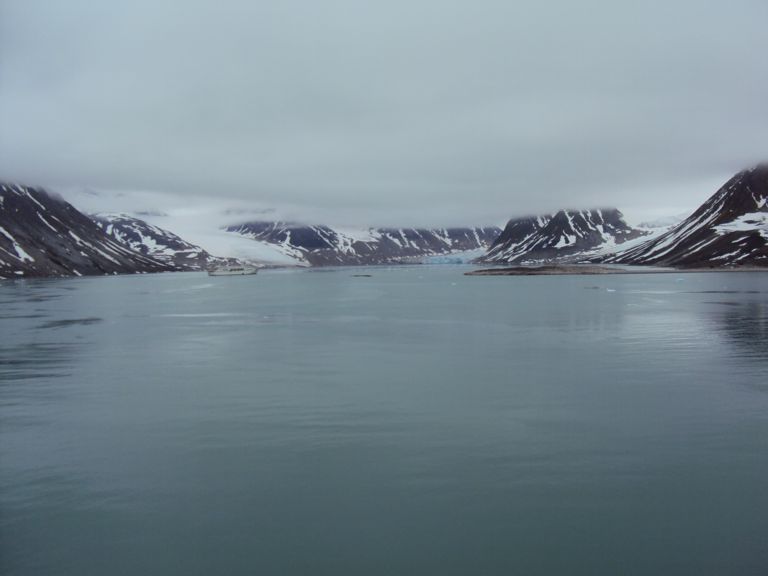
43 235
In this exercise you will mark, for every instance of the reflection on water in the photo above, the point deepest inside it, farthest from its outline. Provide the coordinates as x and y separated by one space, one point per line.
419 421
35 360
70 322
745 327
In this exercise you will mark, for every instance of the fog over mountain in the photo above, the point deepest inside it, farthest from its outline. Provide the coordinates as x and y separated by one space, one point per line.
389 113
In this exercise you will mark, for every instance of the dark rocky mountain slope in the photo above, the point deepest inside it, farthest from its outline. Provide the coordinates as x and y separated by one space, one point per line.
326 246
150 240
42 235
567 235
729 229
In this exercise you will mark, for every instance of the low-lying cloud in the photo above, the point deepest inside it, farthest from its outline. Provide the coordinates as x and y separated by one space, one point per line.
427 112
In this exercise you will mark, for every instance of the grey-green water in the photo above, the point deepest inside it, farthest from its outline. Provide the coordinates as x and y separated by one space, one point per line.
414 422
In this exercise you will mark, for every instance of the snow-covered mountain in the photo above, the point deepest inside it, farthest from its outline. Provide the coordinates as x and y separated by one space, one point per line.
326 246
729 229
153 241
566 235
42 235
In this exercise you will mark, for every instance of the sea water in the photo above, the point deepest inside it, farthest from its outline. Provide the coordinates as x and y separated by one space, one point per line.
414 421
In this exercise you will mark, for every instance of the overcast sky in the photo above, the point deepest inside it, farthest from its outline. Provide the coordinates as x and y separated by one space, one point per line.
386 112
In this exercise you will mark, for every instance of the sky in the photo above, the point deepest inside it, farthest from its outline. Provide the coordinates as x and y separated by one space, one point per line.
397 112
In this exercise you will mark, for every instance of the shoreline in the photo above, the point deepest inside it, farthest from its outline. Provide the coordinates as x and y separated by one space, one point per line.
592 270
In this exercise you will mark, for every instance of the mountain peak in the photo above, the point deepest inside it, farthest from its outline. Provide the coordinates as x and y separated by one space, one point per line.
42 235
730 228
153 241
565 234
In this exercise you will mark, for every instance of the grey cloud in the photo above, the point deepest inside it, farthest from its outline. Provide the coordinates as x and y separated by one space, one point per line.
387 112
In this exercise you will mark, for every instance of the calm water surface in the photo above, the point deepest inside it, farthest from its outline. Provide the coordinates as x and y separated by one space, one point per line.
414 422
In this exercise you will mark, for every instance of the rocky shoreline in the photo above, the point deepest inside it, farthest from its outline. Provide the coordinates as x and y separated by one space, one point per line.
590 270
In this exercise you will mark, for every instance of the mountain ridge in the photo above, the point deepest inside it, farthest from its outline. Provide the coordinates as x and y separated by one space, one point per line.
729 229
43 235
154 241
565 235
321 245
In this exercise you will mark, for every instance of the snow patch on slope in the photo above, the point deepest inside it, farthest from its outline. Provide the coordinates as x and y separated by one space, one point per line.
21 254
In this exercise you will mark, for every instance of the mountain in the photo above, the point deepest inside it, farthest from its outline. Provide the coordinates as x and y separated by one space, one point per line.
563 236
153 241
326 246
729 229
42 235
